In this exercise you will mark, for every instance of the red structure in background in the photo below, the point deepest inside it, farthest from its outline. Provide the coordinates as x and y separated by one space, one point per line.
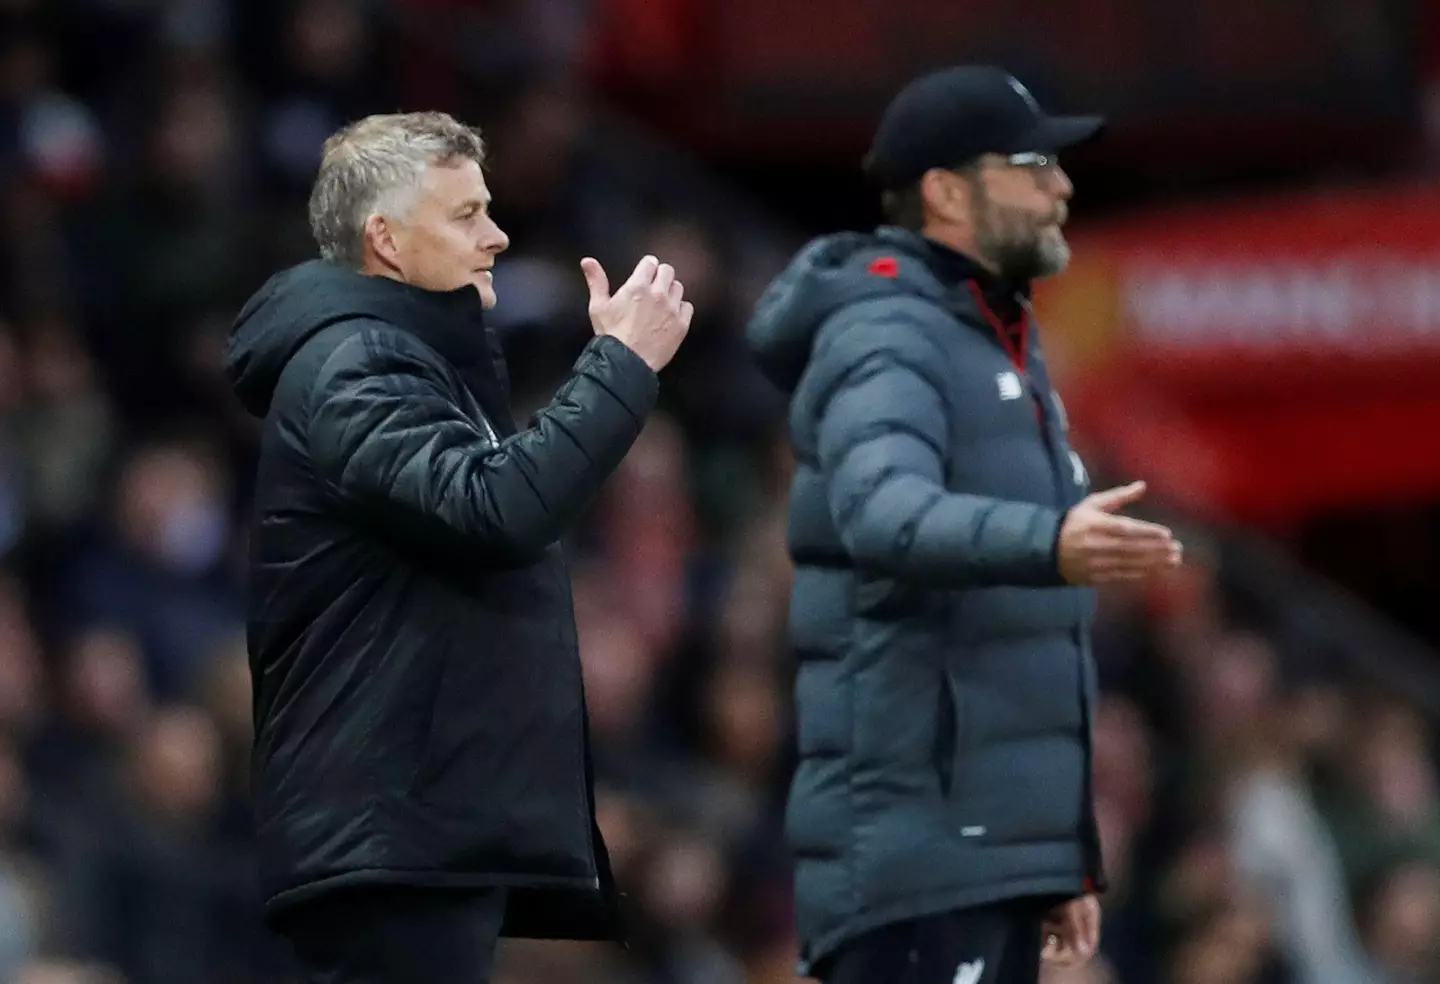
800 78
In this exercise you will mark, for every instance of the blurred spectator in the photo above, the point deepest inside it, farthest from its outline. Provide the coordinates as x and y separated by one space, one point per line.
1123 776
1229 947
64 430
176 244
743 724
1400 920
44 132
21 880
646 532
1284 853
22 699
157 570
103 700
1383 805
12 489
619 668
717 393
157 899
683 889
222 687
325 79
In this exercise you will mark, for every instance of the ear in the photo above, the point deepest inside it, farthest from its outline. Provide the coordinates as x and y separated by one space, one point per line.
380 238
946 194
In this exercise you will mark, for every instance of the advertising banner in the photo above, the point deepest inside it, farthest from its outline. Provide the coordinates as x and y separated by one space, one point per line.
1260 359
1325 276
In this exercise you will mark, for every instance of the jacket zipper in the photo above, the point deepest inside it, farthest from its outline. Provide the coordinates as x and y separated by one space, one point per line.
1018 349
1042 411
1052 452
1087 833
572 636
489 429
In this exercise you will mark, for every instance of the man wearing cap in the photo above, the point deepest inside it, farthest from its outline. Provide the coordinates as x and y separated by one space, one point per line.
946 546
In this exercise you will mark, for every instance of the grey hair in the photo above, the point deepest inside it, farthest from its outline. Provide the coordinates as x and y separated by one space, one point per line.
375 165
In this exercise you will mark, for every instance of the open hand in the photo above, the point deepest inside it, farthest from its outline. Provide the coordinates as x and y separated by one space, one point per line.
1099 547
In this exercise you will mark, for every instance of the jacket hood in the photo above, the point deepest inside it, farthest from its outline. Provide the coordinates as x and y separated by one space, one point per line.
296 304
828 274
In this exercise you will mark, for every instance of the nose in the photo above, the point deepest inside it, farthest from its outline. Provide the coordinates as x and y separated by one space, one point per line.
1060 182
494 239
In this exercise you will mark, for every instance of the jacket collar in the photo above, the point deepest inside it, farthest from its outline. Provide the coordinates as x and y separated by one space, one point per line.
452 322
1007 298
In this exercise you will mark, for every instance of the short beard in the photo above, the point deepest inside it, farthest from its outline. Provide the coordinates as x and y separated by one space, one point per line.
1008 241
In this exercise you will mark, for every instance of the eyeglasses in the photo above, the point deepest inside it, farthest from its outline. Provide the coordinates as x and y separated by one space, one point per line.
1041 165
1040 162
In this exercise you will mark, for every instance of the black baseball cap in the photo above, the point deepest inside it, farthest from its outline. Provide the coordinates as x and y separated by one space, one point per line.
954 115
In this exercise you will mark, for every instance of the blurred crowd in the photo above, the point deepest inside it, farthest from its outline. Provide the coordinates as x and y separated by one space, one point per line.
1265 821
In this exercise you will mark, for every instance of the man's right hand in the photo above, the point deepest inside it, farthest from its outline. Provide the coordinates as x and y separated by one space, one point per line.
1099 547
648 313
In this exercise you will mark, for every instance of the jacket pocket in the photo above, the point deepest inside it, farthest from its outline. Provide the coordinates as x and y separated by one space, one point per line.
951 736
885 599
947 725
425 762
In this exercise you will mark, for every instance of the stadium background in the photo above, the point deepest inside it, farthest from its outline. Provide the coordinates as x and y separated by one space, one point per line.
1252 323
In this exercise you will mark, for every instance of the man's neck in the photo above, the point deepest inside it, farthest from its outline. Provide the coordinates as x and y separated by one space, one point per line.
962 242
371 266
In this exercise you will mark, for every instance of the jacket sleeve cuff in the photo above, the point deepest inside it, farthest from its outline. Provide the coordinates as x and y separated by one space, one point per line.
615 366
1055 548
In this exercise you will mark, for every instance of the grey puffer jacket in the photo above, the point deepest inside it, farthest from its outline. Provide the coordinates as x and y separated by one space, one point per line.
945 680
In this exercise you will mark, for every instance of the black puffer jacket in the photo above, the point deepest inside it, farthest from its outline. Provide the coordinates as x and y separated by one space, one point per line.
419 711
945 680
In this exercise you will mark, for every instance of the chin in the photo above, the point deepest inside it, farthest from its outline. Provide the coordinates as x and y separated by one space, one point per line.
1052 254
487 292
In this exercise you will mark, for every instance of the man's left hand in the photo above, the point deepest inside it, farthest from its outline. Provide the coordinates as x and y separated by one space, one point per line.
1072 932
